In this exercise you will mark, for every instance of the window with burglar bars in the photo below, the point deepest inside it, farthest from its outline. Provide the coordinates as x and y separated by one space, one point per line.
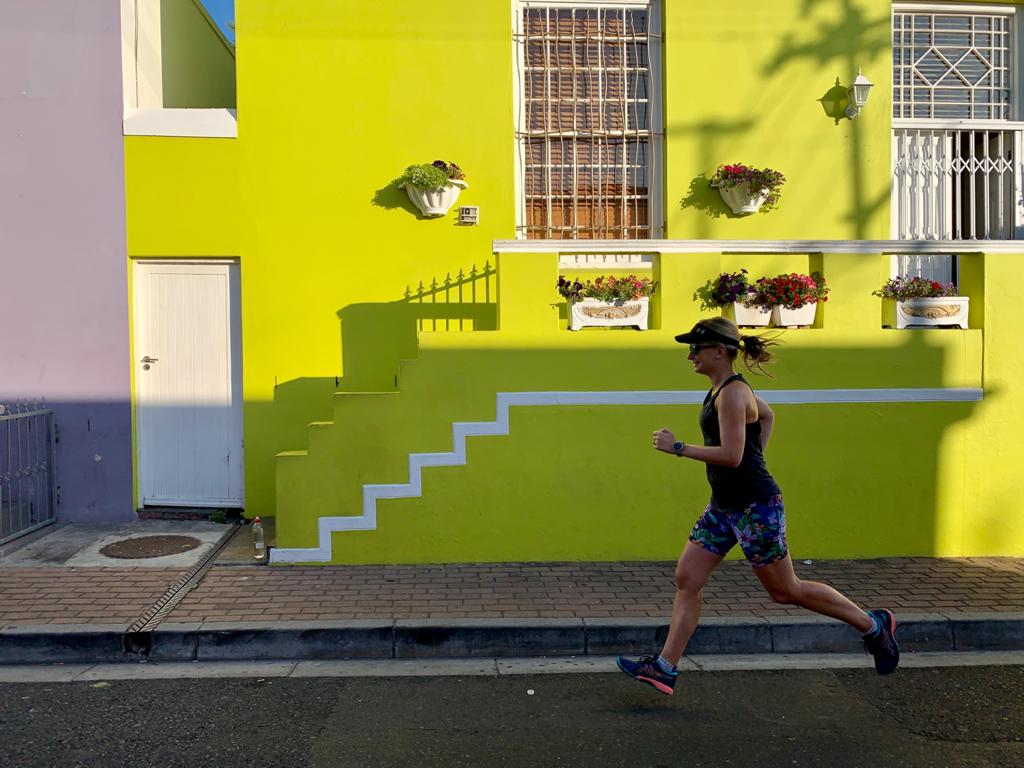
956 144
589 129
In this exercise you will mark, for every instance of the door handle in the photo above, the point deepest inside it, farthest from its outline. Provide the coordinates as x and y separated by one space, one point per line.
148 359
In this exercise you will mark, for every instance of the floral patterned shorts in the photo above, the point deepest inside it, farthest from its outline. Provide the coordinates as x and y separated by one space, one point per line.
760 530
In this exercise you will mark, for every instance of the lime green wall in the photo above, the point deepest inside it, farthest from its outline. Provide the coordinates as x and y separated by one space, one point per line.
342 281
860 480
198 63
743 81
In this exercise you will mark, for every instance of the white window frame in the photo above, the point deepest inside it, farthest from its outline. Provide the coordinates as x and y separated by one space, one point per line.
1015 123
656 206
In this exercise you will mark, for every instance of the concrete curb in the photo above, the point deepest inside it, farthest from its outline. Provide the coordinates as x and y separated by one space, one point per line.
494 637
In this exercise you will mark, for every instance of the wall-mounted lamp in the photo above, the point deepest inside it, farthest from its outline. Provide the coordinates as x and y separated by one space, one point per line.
857 95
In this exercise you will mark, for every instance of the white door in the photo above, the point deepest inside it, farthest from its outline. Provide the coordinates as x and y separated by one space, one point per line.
188 377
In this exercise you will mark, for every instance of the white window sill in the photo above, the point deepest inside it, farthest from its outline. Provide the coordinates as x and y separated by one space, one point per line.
208 123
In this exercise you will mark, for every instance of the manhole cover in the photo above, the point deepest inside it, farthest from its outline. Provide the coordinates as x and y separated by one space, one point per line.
150 546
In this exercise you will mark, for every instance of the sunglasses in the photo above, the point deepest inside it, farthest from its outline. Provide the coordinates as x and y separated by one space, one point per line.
695 348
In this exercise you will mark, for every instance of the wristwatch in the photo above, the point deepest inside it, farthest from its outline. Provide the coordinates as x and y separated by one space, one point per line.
677 447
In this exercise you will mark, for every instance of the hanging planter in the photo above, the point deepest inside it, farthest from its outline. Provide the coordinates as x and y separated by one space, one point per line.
434 201
741 200
433 188
916 302
748 190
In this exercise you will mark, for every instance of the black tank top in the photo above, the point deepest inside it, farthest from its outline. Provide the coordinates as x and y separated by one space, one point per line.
736 488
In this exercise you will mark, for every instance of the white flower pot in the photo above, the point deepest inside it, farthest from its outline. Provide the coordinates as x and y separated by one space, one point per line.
740 200
794 318
609 314
937 312
750 316
437 201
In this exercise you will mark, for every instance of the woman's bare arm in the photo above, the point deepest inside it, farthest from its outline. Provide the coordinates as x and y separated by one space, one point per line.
766 416
732 417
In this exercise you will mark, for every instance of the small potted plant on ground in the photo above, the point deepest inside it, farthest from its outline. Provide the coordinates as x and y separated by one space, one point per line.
732 293
608 301
793 299
919 302
748 190
433 187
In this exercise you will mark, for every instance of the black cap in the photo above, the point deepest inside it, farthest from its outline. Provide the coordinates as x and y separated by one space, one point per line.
701 333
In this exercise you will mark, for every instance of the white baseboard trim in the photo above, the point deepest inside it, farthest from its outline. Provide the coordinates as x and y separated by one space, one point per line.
367 521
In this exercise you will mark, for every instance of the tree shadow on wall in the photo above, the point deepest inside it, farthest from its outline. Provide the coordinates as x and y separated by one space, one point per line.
845 43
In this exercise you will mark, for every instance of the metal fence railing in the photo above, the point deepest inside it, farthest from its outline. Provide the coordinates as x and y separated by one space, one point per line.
28 481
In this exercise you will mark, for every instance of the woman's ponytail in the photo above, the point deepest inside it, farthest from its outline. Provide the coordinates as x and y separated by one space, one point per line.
756 353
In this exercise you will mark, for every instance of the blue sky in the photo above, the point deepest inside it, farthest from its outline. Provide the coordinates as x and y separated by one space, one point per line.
222 11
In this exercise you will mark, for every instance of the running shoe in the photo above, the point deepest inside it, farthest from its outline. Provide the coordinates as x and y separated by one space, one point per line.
646 670
882 644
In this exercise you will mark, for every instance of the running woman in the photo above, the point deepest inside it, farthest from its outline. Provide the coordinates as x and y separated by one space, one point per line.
746 507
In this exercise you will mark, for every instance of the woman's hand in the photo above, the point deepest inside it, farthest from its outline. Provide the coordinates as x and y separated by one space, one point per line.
665 441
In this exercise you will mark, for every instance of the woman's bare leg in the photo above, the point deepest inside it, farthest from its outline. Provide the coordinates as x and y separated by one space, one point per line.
783 586
693 570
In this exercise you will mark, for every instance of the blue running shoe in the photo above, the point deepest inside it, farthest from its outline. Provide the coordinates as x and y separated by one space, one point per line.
882 644
646 670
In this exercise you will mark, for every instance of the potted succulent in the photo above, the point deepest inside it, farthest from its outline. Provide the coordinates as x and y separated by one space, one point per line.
793 299
732 293
433 187
746 189
608 301
917 301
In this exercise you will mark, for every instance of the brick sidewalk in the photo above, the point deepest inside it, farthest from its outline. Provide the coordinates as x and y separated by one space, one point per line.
80 595
594 590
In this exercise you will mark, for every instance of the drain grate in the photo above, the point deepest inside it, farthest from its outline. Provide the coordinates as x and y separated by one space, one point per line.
138 638
141 547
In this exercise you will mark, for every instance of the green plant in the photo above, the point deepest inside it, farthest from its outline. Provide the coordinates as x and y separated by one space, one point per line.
726 289
756 179
791 291
609 288
903 288
218 516
431 175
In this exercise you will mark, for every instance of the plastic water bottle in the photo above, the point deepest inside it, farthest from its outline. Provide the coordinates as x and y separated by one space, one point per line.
259 547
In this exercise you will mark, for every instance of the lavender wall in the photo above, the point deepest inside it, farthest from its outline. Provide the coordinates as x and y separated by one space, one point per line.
64 301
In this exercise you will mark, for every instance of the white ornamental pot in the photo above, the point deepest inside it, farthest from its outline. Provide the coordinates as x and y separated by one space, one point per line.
794 318
749 316
740 200
437 201
609 314
935 312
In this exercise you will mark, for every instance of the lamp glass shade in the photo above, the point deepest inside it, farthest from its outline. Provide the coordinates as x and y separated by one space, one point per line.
859 90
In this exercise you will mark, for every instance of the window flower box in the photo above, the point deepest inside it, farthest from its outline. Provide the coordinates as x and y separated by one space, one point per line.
793 299
609 314
932 312
608 302
916 302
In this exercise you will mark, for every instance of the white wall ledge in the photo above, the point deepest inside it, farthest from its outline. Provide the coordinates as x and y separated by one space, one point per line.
203 123
759 246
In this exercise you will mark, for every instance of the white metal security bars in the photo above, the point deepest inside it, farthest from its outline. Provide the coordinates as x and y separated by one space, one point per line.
953 184
951 65
955 150
588 128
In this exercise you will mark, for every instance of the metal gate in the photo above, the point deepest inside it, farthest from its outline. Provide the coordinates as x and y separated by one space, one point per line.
28 482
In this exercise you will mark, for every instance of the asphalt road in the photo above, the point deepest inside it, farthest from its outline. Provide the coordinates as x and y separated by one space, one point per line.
955 717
